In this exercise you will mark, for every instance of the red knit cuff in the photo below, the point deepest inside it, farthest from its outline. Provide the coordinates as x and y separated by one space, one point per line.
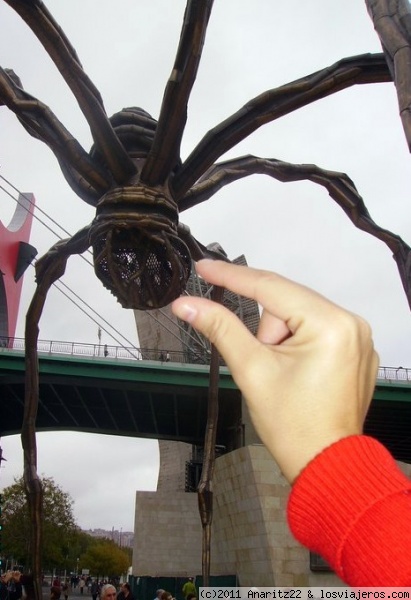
332 495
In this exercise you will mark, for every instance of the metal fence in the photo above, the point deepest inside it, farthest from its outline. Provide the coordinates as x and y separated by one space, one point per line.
163 356
52 347
394 374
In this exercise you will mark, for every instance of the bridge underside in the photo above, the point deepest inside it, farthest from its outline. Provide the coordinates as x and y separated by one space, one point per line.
149 399
389 418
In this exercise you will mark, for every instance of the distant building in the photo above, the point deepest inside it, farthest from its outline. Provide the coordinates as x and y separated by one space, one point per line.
125 539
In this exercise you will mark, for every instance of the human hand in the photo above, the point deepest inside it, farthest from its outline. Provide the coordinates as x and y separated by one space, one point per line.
309 374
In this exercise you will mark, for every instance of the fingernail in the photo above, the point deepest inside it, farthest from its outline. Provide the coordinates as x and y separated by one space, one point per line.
204 261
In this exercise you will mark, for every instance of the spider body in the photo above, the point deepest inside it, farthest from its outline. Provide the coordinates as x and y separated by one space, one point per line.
138 255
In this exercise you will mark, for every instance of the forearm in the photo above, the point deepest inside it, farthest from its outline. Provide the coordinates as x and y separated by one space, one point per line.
352 505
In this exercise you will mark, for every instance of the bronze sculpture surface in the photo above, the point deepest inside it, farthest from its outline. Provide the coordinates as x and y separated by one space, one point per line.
135 178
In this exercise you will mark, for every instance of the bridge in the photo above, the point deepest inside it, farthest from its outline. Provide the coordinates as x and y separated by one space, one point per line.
138 393
114 390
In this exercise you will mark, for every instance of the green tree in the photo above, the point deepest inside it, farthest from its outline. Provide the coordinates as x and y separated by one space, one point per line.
105 558
59 527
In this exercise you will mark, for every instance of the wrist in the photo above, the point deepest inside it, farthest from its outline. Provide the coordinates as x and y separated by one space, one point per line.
302 448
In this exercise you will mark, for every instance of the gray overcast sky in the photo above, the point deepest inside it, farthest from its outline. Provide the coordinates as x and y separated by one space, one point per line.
127 49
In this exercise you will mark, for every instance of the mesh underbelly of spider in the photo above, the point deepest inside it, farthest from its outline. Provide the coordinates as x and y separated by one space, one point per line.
138 255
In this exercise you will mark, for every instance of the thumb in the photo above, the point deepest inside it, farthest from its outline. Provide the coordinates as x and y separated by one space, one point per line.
220 326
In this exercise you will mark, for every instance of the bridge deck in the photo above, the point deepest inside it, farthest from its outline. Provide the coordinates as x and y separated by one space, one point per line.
151 399
131 398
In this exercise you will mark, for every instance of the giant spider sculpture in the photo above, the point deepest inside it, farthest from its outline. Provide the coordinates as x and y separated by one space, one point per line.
135 178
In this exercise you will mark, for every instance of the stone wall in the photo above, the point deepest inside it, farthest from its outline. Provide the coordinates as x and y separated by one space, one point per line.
250 529
250 535
173 458
167 540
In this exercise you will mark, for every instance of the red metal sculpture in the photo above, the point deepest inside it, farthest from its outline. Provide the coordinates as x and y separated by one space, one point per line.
15 256
135 178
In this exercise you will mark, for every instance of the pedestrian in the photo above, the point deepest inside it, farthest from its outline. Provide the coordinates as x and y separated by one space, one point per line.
125 592
25 581
65 589
14 588
108 592
55 592
189 588
4 580
94 589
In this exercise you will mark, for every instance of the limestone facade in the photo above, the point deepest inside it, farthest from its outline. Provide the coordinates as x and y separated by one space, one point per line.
173 458
250 535
167 538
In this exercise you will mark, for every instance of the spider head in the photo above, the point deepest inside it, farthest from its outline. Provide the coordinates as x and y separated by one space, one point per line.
138 255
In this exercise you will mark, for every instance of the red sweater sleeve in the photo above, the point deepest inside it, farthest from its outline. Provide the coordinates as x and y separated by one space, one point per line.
352 505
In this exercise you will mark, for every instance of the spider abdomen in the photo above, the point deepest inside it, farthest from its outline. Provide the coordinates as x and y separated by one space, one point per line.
138 255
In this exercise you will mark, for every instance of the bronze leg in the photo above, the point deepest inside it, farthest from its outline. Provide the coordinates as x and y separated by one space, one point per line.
205 492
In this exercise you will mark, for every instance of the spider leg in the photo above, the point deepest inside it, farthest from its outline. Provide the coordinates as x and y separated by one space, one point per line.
57 45
87 178
339 186
165 151
48 269
275 103
205 489
392 23
197 249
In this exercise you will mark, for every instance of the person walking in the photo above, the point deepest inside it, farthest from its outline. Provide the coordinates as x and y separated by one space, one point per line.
125 592
94 589
189 588
65 589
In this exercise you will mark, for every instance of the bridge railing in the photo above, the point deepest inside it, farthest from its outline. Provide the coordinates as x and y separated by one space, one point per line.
133 353
394 374
82 350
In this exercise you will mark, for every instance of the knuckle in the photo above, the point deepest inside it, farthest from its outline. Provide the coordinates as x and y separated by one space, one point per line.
349 331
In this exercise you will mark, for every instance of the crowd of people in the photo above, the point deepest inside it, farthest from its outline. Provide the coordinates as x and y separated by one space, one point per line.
12 588
189 592
12 585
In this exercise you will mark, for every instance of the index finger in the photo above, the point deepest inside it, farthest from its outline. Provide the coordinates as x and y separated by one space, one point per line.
289 301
